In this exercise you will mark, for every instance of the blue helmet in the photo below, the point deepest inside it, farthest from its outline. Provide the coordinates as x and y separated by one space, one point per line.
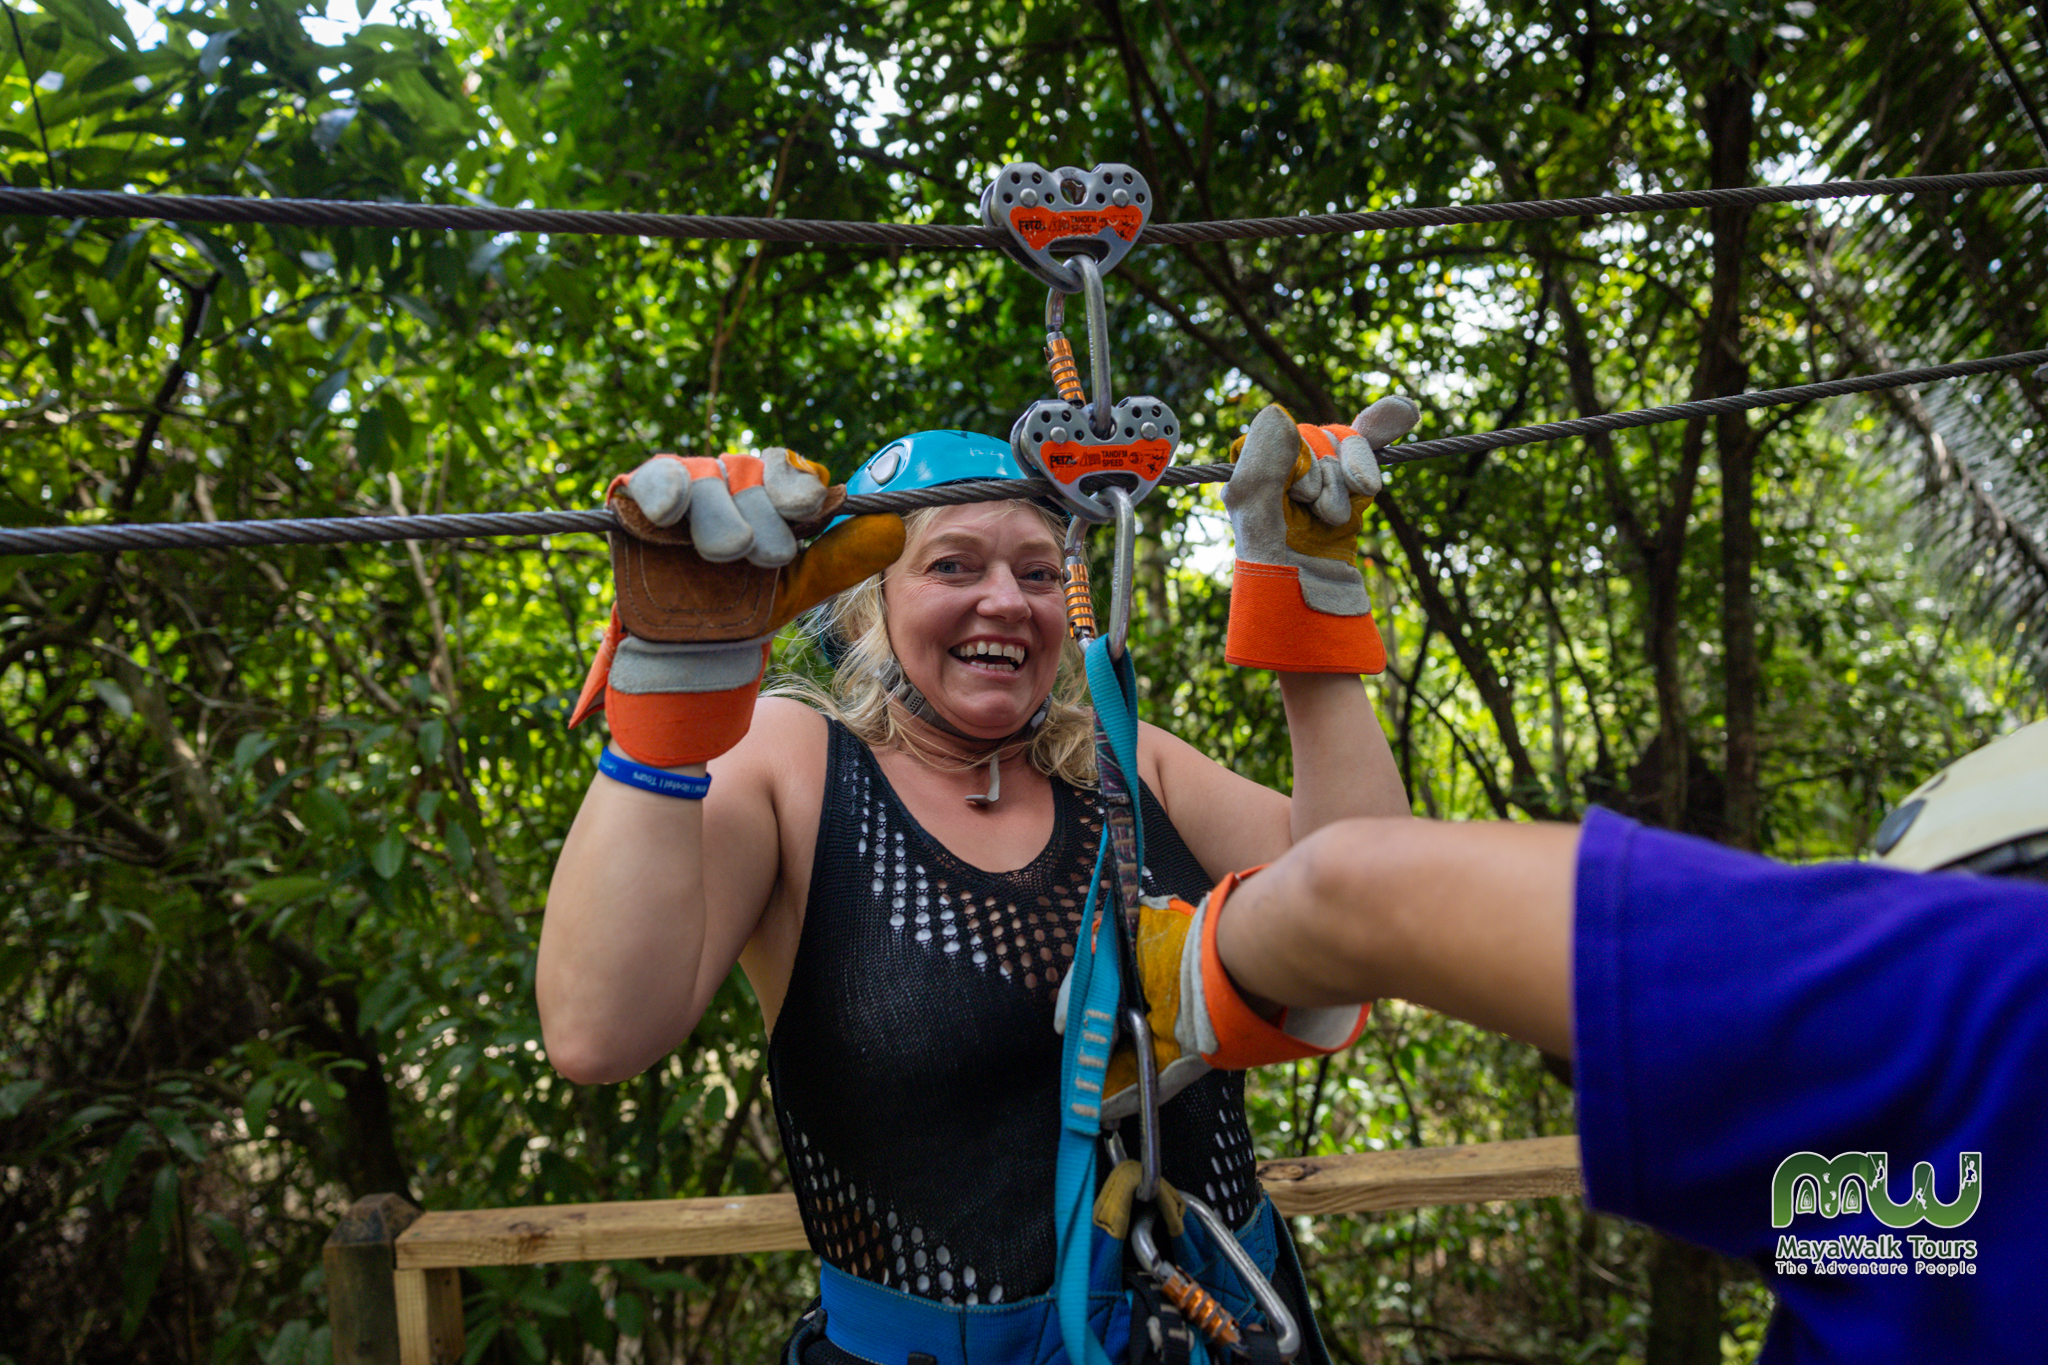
926 459
923 459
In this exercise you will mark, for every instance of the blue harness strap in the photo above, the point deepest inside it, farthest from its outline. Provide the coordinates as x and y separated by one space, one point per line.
1093 997
887 1326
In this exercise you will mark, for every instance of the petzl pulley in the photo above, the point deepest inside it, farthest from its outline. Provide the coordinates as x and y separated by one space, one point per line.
1068 226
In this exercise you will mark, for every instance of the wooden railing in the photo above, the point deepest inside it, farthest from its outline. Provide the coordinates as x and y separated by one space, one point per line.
393 1296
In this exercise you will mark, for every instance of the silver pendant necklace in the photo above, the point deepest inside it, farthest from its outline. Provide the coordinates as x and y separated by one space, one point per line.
995 782
913 701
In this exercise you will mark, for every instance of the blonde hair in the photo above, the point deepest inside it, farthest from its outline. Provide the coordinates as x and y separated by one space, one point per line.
859 696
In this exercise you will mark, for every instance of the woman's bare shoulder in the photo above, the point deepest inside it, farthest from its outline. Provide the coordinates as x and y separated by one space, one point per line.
787 714
1164 757
785 741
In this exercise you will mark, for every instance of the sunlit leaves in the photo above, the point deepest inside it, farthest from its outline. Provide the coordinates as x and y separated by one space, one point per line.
283 820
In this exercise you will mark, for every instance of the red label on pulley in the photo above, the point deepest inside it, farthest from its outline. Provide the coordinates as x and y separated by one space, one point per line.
1068 461
1039 226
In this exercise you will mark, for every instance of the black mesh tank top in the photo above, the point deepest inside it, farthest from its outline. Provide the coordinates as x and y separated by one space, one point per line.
914 1064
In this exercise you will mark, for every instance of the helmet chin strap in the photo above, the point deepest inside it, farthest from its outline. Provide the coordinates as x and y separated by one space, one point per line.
917 704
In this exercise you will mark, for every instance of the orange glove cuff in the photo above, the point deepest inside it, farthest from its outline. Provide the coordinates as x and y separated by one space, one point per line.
1273 626
666 729
670 729
1245 1038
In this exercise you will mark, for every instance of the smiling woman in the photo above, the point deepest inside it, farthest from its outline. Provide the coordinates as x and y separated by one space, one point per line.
900 865
1016 636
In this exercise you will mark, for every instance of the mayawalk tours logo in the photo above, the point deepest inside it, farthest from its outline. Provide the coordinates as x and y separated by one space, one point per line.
1809 1183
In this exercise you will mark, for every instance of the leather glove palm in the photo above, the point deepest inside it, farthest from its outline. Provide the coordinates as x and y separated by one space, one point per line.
1199 1020
707 568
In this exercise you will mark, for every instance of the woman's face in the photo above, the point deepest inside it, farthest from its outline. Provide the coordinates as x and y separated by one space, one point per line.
977 614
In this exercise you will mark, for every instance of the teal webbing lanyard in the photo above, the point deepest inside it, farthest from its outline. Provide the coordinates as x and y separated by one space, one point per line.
1093 998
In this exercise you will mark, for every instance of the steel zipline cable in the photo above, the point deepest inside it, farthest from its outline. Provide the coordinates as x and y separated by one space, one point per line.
338 213
463 526
704 227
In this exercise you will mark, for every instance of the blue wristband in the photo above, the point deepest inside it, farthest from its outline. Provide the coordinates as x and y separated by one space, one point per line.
660 781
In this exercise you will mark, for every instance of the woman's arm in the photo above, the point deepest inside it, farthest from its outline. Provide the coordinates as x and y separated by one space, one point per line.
1298 607
642 927
1343 769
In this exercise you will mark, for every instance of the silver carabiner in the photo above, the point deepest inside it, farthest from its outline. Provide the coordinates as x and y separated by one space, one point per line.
1150 1259
1059 350
1285 1328
1080 601
1140 1030
1121 570
1201 1308
1099 419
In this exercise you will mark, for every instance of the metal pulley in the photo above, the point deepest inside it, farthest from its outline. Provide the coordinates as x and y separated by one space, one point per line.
1067 226
1046 214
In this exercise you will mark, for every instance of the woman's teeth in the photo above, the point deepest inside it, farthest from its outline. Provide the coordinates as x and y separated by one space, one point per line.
988 654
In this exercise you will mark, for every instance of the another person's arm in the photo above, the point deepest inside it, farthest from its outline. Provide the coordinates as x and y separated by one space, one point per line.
1727 1017
1473 920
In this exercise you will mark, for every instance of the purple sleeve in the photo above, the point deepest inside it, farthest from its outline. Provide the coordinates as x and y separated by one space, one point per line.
1731 1011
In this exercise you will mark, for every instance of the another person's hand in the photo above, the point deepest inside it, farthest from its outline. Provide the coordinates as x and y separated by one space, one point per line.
1200 1020
1297 496
706 569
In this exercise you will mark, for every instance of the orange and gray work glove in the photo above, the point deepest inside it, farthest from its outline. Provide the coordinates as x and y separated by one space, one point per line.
706 569
1297 495
1199 1020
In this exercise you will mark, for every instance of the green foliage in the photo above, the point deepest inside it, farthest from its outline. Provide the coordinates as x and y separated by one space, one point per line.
281 823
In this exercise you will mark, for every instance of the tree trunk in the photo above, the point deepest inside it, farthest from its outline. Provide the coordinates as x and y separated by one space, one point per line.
1685 1282
1730 125
1658 541
1685 1305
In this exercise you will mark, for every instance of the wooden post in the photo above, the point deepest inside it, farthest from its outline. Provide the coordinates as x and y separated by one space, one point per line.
429 1316
362 1307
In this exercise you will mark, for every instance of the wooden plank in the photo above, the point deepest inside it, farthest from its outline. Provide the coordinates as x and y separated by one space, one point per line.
629 1229
1364 1182
1356 1182
415 1333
